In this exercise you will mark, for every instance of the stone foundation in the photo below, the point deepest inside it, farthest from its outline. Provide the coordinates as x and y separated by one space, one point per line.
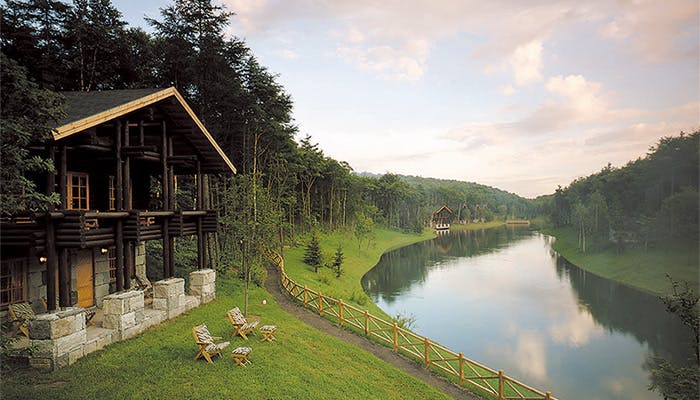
169 296
59 339
123 312
203 285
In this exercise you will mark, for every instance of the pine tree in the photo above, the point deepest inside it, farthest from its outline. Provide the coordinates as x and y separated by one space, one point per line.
337 264
312 255
28 114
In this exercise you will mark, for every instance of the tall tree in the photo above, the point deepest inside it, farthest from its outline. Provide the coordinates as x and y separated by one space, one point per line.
33 34
95 43
28 114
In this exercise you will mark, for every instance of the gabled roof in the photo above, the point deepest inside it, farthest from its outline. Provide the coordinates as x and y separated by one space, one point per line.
443 208
88 109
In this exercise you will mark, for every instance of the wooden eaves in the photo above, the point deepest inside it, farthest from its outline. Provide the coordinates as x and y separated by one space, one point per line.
82 124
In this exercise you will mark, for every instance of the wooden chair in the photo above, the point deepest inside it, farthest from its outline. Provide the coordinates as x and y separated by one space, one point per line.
208 344
267 332
240 355
21 314
241 326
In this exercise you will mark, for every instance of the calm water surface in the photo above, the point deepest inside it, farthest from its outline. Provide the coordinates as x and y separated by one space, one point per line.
506 299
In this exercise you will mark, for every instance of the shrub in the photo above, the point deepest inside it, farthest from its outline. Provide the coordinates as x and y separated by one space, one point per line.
360 298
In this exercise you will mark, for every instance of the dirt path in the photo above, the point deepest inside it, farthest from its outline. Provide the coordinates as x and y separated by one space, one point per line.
410 367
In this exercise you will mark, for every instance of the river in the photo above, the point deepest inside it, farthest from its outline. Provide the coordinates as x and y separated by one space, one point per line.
504 298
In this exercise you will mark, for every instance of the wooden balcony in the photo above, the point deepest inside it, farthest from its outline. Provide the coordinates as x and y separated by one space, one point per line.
210 222
146 225
84 229
23 231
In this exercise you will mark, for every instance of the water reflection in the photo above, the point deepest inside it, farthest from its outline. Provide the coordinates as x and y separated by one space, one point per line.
503 297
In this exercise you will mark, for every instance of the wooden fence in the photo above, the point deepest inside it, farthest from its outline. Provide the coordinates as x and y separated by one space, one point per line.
432 355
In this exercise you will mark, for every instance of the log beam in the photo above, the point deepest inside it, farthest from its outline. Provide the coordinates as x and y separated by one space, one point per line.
64 287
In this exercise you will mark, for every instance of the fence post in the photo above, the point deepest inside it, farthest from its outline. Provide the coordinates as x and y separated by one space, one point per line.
548 396
501 394
461 368
366 322
306 298
426 356
340 312
396 337
320 303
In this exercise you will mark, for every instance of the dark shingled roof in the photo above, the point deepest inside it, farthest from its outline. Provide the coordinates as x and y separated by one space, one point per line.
87 109
81 105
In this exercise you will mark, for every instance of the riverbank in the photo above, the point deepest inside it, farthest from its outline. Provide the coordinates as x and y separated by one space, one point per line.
476 226
358 260
303 363
634 267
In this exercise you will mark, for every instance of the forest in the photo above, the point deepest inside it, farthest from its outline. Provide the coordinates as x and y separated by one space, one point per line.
651 202
285 186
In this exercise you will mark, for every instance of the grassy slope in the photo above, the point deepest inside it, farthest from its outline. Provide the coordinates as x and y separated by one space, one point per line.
644 270
159 364
357 262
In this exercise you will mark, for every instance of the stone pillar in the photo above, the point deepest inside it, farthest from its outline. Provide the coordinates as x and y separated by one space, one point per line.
140 278
123 312
57 339
203 285
169 296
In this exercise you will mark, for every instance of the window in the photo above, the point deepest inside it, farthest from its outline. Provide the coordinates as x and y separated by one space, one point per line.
13 280
78 191
112 258
112 194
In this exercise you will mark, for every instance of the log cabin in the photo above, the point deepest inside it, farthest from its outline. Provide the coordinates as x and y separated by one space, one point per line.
117 156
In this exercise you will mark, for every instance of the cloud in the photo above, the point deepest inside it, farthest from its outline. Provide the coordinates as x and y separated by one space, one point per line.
288 54
370 32
526 62
578 128
511 32
403 62
657 30
507 90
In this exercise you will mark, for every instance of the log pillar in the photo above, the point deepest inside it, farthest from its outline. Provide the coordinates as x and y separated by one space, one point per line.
126 182
62 175
165 186
51 254
51 264
128 264
200 233
119 241
119 205
64 279
172 204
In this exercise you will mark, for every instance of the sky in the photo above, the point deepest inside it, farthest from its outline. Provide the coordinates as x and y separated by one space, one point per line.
520 95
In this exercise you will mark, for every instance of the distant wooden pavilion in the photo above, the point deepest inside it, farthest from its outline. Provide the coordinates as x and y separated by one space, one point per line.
117 155
442 218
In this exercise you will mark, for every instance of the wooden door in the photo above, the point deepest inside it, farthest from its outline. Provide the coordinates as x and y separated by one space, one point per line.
85 277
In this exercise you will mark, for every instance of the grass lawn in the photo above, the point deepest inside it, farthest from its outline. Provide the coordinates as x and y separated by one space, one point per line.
644 270
159 364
